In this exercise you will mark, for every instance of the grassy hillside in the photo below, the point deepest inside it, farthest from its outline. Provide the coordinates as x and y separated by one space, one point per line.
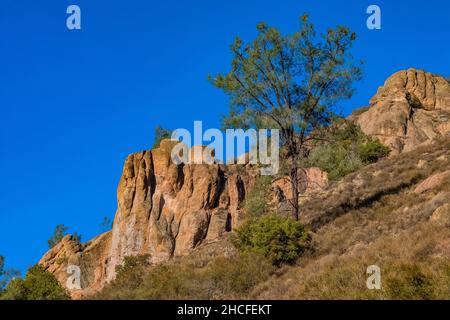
374 217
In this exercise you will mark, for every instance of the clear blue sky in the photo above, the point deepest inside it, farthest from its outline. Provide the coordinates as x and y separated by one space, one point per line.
74 104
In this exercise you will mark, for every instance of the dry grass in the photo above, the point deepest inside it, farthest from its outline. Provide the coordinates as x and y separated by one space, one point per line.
420 251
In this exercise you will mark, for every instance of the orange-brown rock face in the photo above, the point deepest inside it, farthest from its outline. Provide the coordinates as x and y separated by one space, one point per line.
413 107
90 257
164 210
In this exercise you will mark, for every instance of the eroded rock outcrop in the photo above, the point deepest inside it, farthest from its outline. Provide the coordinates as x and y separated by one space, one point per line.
164 210
413 107
91 258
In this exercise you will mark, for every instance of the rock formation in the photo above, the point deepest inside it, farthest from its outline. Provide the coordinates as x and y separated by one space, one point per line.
413 107
164 210
90 257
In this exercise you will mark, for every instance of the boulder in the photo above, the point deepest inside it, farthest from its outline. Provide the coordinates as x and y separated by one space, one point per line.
412 108
432 182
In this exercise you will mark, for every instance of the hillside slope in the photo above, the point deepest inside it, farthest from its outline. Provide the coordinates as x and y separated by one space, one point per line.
394 214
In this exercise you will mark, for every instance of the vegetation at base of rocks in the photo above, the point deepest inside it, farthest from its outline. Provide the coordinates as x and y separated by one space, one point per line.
130 272
280 239
222 278
347 150
372 151
59 233
360 111
256 202
160 134
38 284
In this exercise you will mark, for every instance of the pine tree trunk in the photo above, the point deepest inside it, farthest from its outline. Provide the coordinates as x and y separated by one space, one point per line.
295 194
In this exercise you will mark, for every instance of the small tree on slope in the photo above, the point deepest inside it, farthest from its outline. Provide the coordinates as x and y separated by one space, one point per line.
290 83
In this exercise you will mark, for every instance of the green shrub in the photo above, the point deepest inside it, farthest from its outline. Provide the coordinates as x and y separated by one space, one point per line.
59 233
160 134
346 150
256 202
15 290
372 151
38 284
279 239
335 159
